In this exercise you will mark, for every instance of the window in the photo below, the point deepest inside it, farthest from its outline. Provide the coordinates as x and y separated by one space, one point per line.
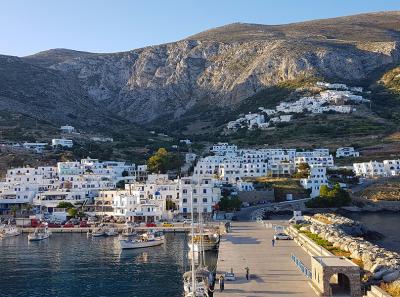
204 191
184 191
184 200
205 200
194 200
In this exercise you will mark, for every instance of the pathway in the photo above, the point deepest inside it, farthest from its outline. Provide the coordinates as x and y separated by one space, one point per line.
272 272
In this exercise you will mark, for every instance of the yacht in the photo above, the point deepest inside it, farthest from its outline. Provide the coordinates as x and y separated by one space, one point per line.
148 239
201 283
39 234
9 231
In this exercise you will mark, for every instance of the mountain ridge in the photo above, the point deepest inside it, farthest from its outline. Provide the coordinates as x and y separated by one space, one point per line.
216 68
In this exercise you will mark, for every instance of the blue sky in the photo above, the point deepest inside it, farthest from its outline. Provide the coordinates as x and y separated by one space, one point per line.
30 26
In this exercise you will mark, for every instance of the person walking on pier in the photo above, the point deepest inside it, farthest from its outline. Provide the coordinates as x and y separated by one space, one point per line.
273 242
247 273
221 283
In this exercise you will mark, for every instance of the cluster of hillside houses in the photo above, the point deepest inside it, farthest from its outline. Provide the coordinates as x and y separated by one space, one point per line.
66 131
93 184
336 98
121 189
372 169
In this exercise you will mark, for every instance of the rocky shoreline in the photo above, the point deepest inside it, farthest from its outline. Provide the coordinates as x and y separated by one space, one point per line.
350 236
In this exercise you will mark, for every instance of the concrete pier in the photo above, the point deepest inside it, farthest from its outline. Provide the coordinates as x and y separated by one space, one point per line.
272 271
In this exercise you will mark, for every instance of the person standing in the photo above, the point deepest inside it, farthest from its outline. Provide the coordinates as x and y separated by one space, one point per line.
273 242
221 283
247 273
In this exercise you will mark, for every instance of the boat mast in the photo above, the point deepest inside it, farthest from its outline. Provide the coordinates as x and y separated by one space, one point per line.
193 266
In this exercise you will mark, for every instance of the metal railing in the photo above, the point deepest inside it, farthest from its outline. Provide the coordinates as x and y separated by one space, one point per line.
305 270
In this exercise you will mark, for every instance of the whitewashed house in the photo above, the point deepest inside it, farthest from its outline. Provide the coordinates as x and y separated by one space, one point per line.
343 152
67 129
38 147
62 142
370 169
392 167
314 181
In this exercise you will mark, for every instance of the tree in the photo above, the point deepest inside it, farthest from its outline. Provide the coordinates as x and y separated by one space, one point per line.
72 212
303 170
120 184
170 205
324 191
229 204
66 205
162 161
335 197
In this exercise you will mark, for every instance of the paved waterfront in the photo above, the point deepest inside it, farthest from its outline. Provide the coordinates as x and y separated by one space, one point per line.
272 272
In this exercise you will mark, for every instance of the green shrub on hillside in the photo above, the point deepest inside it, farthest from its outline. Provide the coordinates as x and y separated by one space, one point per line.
335 197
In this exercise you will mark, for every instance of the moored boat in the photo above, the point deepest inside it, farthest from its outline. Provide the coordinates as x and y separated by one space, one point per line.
110 231
9 231
39 234
143 241
204 242
128 232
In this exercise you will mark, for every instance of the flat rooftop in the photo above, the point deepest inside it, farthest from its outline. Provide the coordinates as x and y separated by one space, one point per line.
334 261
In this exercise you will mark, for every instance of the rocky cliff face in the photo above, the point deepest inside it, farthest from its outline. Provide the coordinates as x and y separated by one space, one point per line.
224 66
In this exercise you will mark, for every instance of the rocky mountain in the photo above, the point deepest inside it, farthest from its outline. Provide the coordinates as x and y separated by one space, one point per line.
218 68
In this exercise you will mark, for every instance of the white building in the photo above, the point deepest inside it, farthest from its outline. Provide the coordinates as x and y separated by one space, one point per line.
317 178
185 141
346 152
224 148
62 142
204 192
35 146
392 167
370 169
67 129
190 157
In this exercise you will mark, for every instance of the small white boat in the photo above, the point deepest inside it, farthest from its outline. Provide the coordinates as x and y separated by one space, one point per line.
97 232
111 231
145 240
39 234
9 231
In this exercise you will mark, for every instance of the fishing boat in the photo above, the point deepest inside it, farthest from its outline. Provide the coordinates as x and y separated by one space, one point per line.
39 234
148 239
9 231
204 242
128 232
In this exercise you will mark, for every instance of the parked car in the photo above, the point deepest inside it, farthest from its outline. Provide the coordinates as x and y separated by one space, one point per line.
151 225
282 236
166 224
187 222
83 224
68 225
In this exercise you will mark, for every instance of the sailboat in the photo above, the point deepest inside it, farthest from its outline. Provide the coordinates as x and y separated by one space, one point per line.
39 234
195 281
